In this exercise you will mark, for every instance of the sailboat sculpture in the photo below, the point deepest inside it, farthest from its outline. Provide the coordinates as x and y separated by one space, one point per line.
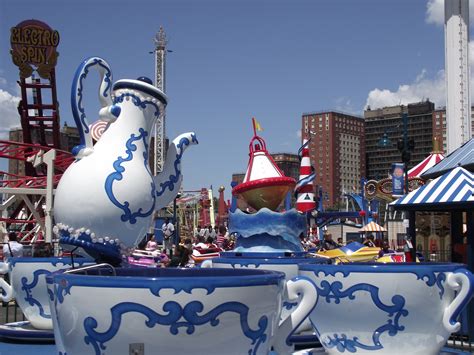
264 184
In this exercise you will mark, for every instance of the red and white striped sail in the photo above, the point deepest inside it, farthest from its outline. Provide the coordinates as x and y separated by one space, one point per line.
430 161
305 188
264 185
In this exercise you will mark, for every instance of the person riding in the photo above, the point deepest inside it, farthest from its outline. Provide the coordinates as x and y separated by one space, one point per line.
151 245
168 230
369 241
329 243
12 248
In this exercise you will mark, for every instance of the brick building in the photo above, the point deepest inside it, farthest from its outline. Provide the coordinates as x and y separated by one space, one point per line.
337 152
439 126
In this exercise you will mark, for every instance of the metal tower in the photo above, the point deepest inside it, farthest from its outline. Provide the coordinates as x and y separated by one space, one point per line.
458 106
160 83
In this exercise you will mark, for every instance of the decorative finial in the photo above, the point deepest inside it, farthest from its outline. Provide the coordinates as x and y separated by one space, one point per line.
436 145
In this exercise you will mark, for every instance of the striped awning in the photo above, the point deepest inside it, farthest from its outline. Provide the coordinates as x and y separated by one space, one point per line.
463 156
455 188
372 227
427 163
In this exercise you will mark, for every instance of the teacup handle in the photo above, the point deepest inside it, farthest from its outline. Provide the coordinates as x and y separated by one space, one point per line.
305 288
7 294
461 281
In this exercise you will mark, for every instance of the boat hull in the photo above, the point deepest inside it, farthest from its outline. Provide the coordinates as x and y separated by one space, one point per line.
267 193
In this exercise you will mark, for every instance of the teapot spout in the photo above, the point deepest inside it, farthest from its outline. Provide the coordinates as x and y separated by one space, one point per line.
168 182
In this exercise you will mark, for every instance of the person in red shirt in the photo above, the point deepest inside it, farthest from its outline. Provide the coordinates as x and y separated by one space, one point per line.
221 236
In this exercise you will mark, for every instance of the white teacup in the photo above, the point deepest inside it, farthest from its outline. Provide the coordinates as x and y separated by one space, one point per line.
268 261
28 285
175 311
395 308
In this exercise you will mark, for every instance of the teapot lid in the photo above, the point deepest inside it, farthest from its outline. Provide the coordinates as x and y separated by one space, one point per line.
142 84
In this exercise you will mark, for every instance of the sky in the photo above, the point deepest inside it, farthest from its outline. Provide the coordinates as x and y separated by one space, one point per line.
233 60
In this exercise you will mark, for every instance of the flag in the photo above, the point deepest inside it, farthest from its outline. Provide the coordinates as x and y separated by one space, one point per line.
256 125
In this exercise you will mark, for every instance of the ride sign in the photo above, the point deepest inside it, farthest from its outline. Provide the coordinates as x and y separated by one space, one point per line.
397 179
33 43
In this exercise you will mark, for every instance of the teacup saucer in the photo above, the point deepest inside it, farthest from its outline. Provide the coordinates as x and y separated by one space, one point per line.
320 351
24 331
314 351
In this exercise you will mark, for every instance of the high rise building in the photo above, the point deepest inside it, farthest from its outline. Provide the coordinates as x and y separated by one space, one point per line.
337 152
288 163
458 107
388 121
439 127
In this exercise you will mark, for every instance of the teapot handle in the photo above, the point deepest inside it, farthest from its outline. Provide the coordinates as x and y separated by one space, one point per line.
108 110
7 294
461 281
305 288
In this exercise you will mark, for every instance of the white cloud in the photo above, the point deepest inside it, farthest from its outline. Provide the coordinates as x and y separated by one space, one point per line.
421 88
344 104
8 113
298 133
435 11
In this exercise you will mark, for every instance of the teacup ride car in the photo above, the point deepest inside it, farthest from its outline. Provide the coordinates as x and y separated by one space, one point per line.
200 254
147 258
351 252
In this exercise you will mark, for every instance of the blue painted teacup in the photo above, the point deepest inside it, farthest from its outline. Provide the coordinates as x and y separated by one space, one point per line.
395 308
171 311
28 285
278 261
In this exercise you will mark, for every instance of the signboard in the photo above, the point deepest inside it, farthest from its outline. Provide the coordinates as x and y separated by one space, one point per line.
397 179
33 44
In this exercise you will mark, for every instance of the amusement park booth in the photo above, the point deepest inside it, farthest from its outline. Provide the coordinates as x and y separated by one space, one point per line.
451 191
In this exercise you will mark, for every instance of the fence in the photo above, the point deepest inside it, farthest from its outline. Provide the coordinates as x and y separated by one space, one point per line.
10 312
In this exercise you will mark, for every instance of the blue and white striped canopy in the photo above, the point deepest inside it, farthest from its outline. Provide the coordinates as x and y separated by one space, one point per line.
455 187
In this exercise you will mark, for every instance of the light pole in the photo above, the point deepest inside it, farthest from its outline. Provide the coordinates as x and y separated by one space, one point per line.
176 221
405 146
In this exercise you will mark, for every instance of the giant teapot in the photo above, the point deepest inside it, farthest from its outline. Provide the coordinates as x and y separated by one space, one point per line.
105 199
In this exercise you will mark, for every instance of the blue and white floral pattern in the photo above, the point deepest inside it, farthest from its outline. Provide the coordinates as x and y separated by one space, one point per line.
117 175
28 288
176 317
334 292
174 177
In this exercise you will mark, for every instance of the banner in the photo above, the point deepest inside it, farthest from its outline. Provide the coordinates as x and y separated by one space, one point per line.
397 179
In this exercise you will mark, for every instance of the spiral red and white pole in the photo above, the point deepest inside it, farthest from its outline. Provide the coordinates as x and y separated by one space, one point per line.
304 188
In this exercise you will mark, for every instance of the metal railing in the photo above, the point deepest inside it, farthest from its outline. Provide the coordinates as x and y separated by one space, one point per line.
10 312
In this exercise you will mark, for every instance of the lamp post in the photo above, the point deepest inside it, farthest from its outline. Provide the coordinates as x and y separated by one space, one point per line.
176 221
405 146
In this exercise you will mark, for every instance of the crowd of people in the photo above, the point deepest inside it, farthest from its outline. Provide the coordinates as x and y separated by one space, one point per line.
204 238
328 243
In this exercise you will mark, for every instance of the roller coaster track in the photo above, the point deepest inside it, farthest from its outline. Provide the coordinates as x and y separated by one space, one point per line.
24 151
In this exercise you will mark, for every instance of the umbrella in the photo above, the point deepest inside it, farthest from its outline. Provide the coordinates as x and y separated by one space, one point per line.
372 227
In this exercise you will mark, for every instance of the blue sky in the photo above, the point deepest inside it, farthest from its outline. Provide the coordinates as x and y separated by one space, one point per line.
232 60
